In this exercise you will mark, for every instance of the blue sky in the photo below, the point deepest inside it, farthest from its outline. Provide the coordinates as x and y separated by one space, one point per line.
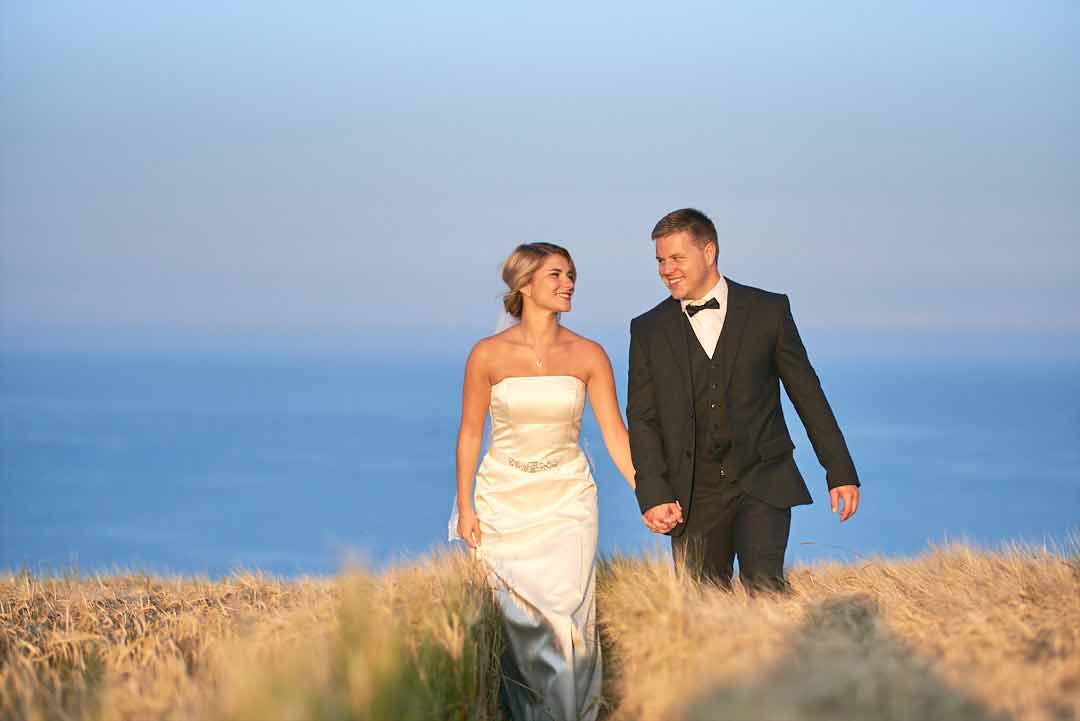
345 167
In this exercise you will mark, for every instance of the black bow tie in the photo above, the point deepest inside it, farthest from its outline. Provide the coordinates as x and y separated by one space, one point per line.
711 303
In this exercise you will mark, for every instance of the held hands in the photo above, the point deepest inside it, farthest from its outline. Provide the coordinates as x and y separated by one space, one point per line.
664 517
848 497
468 527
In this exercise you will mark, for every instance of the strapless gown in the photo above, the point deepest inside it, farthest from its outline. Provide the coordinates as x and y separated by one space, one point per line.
536 503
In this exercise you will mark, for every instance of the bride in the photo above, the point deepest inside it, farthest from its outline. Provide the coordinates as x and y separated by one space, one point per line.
535 518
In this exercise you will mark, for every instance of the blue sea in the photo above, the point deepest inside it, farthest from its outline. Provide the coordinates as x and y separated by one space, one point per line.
205 463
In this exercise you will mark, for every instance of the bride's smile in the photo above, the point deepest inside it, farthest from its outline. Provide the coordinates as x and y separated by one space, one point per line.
552 286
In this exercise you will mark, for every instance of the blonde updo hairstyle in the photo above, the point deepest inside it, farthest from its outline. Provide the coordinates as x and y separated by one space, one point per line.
519 268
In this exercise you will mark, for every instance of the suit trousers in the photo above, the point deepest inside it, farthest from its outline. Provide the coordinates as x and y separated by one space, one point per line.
724 523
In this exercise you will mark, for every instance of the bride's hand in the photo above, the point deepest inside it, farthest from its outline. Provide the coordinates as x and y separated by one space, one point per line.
468 527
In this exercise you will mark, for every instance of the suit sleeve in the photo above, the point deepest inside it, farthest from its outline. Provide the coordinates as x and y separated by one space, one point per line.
646 444
804 389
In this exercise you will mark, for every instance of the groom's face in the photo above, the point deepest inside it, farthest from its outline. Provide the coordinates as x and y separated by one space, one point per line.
687 269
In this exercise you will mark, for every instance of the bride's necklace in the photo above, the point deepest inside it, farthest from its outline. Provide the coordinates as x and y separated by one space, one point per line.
539 357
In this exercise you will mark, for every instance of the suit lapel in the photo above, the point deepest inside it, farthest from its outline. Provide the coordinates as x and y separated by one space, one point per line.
675 329
738 311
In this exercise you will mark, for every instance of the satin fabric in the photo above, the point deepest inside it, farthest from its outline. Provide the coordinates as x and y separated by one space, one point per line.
538 540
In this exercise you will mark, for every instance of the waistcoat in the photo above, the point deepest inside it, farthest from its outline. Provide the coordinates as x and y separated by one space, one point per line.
710 399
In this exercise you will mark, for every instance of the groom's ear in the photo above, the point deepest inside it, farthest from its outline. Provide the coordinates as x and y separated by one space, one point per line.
711 252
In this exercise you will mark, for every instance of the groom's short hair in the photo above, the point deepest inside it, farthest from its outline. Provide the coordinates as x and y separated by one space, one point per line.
693 221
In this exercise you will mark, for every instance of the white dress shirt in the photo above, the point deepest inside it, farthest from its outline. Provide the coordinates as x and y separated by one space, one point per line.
707 324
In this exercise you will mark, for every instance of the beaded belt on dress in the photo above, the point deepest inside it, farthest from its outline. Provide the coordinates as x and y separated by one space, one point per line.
527 466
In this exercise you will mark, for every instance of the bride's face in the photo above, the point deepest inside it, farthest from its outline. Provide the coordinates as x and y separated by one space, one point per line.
552 285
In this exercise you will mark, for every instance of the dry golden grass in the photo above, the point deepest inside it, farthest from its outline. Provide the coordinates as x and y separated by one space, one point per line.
955 634
417 642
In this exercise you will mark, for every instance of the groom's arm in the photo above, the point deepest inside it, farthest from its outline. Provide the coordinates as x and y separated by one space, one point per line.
804 389
646 444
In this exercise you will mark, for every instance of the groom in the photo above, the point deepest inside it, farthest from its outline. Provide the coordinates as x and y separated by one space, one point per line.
707 433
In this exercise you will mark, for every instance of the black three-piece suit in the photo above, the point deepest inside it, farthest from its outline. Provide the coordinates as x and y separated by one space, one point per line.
710 432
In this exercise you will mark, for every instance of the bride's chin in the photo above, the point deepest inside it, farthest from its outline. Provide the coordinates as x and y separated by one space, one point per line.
561 307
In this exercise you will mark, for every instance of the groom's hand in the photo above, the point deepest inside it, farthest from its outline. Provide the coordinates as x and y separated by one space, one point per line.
846 495
664 517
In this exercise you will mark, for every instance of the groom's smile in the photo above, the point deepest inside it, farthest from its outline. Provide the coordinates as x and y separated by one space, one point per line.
687 269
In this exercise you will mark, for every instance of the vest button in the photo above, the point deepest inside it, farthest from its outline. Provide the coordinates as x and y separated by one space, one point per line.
714 404
687 452
712 385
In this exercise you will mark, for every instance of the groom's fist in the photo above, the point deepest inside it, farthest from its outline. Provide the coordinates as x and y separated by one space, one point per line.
846 499
662 518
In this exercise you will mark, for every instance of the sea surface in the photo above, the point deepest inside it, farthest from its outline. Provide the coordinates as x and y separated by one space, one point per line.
206 463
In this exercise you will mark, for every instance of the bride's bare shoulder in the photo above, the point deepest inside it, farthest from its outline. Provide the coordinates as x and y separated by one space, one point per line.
506 335
584 347
580 341
501 342
491 347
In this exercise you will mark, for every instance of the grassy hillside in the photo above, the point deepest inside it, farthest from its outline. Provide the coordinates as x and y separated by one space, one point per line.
955 634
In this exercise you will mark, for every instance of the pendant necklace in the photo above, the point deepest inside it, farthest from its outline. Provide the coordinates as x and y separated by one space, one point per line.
539 358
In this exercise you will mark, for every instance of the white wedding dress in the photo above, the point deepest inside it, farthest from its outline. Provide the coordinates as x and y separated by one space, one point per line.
536 503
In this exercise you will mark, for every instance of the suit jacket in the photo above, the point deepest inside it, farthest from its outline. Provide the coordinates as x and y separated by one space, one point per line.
761 348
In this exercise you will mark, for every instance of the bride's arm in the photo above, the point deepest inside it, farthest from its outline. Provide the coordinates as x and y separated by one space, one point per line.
605 406
475 397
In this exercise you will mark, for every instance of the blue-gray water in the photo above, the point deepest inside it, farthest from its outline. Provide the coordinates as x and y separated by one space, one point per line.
204 463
